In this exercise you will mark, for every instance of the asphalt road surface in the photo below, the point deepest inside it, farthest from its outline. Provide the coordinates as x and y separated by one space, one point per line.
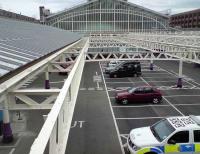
99 124
107 124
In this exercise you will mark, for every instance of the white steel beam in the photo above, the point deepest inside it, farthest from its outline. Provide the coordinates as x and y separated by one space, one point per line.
56 129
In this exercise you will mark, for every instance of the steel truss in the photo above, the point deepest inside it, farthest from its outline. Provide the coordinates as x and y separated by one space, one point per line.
17 98
57 125
186 52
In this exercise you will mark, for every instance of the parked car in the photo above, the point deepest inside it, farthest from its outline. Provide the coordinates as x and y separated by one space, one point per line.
113 63
139 94
126 69
111 66
172 135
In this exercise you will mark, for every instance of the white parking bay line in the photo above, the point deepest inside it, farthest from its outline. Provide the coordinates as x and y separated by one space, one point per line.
165 99
173 106
119 82
112 112
159 77
57 82
176 75
139 106
182 96
155 73
139 118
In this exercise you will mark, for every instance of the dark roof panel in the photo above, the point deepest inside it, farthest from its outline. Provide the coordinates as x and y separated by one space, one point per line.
23 42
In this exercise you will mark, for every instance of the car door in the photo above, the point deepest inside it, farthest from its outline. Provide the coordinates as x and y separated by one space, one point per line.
130 70
179 143
148 96
137 95
196 139
121 71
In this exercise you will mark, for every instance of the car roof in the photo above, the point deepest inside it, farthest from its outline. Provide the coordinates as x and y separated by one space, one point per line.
185 122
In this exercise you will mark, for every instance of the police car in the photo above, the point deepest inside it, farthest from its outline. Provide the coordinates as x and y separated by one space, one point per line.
173 135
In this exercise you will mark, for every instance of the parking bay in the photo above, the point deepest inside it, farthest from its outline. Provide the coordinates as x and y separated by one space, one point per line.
176 102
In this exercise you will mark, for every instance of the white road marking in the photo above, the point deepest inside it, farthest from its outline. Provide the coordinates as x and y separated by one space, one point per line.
154 73
158 77
58 82
12 151
140 82
115 123
166 100
139 106
193 104
163 88
143 106
176 75
125 136
183 96
121 82
144 80
115 78
139 118
173 106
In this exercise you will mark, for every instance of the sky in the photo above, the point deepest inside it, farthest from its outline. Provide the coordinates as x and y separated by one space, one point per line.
31 7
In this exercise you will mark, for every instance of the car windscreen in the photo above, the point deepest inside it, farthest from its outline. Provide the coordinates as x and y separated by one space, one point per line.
117 66
162 129
131 90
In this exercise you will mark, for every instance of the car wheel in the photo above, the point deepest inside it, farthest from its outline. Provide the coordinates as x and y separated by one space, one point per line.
115 75
156 101
124 101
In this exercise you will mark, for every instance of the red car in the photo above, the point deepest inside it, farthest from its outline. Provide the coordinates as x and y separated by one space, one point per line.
139 94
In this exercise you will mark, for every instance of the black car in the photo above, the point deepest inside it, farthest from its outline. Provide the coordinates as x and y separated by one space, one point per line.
126 69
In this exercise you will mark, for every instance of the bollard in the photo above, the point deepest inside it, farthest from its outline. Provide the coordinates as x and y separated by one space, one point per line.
1 122
179 83
151 66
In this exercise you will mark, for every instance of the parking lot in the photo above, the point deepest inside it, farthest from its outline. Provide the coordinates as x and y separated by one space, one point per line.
176 101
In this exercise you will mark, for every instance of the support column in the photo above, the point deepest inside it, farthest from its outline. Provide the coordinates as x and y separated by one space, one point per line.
142 22
100 17
128 20
151 62
7 131
114 18
180 82
47 82
151 65
1 122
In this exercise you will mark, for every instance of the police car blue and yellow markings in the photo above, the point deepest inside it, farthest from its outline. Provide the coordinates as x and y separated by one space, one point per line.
177 122
171 148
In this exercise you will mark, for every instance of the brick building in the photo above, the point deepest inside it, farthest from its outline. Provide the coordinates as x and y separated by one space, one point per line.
8 14
190 19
